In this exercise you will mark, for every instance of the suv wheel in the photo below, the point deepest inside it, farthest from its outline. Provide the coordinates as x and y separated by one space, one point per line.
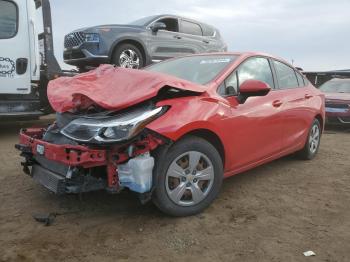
128 56
189 177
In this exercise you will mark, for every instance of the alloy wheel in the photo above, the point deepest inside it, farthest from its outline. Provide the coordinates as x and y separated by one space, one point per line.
189 178
314 138
129 59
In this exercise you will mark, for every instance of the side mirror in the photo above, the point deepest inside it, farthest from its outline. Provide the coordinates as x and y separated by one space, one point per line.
252 88
158 26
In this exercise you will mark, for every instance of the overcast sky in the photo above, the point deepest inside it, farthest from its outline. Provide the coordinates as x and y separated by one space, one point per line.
315 34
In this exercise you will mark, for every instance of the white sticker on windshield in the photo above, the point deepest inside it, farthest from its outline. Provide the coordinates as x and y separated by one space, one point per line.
215 61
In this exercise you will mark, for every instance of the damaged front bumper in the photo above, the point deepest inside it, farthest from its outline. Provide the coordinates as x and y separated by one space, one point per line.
65 168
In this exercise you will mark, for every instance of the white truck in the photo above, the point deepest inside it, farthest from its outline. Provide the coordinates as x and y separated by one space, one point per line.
27 60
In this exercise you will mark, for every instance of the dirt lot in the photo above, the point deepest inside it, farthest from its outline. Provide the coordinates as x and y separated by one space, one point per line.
272 213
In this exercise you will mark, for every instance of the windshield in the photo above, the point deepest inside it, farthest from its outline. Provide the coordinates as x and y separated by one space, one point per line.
143 21
336 86
198 69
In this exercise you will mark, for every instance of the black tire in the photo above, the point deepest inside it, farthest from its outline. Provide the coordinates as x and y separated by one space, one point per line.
306 153
127 48
165 157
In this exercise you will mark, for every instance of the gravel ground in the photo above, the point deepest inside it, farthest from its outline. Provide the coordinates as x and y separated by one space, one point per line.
272 213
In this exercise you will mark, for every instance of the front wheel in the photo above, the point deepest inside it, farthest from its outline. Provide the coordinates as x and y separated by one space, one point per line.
128 56
189 177
313 141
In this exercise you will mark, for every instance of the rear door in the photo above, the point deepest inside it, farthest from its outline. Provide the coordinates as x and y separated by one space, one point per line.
14 47
295 105
192 37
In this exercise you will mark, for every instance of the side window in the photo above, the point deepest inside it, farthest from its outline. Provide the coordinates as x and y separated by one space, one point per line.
301 81
190 28
257 68
207 30
286 75
231 85
171 24
8 19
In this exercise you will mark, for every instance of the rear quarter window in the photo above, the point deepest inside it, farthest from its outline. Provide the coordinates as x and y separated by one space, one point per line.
8 19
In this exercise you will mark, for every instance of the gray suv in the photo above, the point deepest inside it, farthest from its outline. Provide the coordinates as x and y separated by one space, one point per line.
140 43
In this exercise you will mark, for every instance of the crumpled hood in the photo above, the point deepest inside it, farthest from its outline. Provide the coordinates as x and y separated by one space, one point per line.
112 88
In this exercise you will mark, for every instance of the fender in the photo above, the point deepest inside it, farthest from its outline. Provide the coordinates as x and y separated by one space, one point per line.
191 116
132 38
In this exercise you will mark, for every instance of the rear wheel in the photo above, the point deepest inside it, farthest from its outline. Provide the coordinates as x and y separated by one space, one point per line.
313 141
128 56
189 177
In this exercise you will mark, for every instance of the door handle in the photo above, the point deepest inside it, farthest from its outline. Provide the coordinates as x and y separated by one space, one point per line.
277 103
307 96
206 41
177 37
21 65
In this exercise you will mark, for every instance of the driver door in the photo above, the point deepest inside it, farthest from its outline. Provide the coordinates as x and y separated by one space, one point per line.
256 125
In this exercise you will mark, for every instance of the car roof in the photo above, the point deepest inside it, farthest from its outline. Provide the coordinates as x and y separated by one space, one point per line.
182 17
242 55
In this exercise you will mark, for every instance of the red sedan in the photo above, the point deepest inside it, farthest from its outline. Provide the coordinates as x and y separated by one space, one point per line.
173 131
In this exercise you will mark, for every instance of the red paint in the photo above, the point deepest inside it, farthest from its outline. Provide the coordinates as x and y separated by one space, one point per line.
250 86
84 156
112 88
69 155
262 129
255 132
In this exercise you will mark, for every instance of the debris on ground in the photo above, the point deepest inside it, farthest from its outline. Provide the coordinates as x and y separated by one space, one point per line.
46 219
309 253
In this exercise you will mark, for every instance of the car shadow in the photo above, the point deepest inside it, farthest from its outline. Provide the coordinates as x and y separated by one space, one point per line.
127 204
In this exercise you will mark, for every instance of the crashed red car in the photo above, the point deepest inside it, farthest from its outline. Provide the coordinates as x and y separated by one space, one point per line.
173 131
337 93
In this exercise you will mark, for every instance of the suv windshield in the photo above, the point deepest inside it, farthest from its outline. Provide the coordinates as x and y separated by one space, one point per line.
198 69
336 86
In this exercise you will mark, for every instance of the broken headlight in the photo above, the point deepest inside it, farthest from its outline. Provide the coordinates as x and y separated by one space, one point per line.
112 128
